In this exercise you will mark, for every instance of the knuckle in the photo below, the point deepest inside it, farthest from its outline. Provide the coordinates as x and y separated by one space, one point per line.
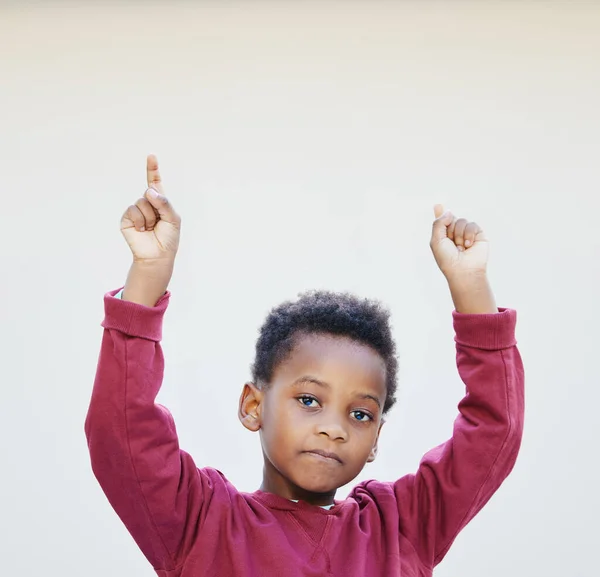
133 213
147 211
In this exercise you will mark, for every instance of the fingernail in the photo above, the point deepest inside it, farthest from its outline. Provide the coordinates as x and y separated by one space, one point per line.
142 229
467 243
152 193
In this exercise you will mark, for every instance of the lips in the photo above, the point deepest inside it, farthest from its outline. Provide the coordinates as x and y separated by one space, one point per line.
325 455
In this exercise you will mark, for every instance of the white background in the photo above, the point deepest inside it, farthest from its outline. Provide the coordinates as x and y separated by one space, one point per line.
304 144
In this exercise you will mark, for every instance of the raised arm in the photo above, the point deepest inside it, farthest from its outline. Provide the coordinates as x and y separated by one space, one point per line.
153 486
456 479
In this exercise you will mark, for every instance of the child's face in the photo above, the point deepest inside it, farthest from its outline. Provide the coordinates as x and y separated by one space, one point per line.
327 396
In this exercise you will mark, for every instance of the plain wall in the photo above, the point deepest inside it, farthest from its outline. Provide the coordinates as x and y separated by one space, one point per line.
304 144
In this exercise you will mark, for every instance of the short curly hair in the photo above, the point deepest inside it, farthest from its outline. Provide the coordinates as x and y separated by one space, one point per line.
330 313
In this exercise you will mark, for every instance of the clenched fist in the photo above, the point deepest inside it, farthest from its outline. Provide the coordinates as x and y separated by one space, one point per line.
151 226
459 246
461 251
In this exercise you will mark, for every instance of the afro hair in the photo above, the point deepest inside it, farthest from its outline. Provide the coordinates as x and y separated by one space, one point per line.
364 321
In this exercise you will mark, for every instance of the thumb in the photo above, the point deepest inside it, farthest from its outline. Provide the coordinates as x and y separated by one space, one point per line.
443 219
160 203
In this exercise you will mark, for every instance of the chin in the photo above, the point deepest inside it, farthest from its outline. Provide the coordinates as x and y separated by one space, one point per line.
319 483
321 488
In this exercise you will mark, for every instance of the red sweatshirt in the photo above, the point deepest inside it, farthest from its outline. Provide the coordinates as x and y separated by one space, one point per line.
192 522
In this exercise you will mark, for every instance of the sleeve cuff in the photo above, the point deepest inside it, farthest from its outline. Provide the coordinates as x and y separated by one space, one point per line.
490 332
133 319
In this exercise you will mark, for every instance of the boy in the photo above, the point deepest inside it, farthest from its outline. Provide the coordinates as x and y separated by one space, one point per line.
324 377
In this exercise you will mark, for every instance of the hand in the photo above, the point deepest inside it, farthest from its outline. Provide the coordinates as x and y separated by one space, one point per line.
461 251
150 226
459 246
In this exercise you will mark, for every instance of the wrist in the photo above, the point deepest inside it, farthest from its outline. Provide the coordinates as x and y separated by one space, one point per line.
147 281
464 280
472 294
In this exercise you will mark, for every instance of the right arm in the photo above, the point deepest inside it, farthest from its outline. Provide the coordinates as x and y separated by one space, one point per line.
152 484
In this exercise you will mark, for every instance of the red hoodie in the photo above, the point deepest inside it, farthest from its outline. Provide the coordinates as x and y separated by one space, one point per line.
192 522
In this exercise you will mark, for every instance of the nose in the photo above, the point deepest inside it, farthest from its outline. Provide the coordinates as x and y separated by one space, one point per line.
332 429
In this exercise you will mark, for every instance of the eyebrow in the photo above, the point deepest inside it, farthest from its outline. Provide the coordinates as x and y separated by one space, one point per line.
308 379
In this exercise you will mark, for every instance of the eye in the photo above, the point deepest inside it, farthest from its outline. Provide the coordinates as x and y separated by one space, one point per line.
361 416
307 401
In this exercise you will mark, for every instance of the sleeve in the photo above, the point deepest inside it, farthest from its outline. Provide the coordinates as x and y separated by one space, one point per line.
456 479
154 487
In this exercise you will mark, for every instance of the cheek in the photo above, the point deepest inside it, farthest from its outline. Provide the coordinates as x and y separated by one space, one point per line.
281 423
365 441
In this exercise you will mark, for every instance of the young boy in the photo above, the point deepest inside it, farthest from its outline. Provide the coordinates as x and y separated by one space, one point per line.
323 378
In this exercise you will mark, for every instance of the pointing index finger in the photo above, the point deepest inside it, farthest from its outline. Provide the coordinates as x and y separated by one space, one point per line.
153 175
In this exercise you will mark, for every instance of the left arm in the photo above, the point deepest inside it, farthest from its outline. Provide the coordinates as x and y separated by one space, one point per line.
455 480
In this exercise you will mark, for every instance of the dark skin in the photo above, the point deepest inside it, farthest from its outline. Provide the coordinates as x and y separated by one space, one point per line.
326 397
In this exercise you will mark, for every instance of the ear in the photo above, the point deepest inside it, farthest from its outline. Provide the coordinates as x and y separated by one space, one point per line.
249 407
375 448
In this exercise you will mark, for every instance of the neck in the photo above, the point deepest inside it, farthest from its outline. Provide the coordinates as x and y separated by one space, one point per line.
274 482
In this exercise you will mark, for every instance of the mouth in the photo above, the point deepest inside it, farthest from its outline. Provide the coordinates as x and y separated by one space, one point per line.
325 456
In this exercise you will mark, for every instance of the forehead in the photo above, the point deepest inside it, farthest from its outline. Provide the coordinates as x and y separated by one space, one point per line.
335 360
